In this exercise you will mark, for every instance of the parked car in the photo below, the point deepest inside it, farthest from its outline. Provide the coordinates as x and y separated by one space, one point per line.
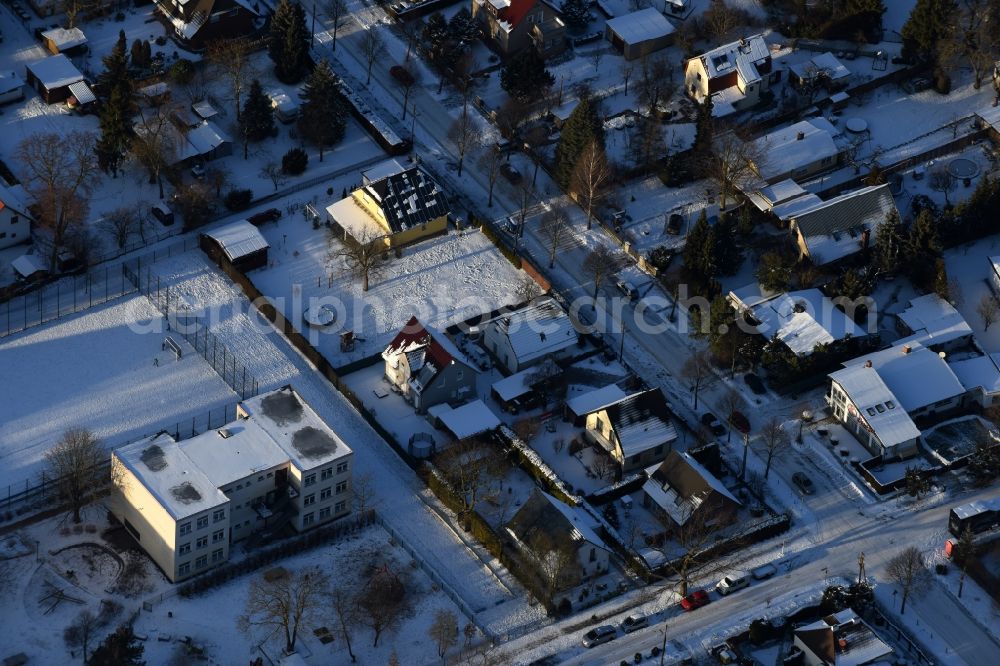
694 600
599 635
755 383
804 483
709 421
634 622
269 215
510 172
162 213
626 287
740 422
733 582
764 572
401 74
674 224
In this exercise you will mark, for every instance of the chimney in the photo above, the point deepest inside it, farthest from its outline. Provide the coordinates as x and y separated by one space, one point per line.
800 136
866 236
907 349
868 364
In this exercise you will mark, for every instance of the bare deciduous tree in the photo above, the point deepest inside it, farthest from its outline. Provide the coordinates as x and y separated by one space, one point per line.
655 82
731 164
696 369
155 143
558 570
598 264
490 161
510 117
346 611
337 11
60 171
82 631
775 441
290 603
363 496
273 172
77 463
372 47
626 69
464 133
692 537
554 226
120 224
363 255
720 19
908 570
941 181
473 467
232 59
526 289
732 402
444 631
987 310
591 177
383 601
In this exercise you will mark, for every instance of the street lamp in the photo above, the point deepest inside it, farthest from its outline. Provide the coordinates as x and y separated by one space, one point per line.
663 649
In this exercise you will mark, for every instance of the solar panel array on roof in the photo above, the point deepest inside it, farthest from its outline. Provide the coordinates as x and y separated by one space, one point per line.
408 199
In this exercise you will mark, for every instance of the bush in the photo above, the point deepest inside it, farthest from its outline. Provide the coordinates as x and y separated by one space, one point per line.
294 162
238 199
941 569
761 631
182 71
942 83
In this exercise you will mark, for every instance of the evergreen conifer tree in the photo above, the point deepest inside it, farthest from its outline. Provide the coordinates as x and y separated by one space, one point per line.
576 13
288 41
525 77
258 116
583 126
889 238
117 88
928 23
322 116
121 648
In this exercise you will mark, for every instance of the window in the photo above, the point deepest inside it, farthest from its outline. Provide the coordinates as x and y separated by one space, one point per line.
246 523
260 478
185 529
201 562
880 409
184 549
184 569
203 522
239 487
218 515
890 404
217 555
270 474
340 506
871 411
218 536
309 500
341 467
3 234
326 493
341 487
308 518
201 542
326 473
324 513
14 219
593 554
309 480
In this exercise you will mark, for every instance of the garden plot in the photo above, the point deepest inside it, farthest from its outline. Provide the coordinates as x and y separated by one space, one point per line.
953 440
105 370
443 281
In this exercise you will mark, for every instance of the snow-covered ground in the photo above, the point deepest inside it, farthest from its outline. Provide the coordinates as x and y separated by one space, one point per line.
96 370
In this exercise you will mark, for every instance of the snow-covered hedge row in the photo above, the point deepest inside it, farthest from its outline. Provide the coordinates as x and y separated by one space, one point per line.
539 469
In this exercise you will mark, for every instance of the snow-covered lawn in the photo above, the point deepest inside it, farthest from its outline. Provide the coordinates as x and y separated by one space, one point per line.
969 267
96 370
442 281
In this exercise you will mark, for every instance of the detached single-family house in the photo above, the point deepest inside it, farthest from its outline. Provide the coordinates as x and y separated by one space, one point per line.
524 337
15 222
841 639
399 204
639 33
510 26
733 75
796 152
635 431
426 368
186 502
240 242
800 319
879 396
980 375
52 77
70 41
196 23
934 323
546 529
680 491
823 70
843 226
471 419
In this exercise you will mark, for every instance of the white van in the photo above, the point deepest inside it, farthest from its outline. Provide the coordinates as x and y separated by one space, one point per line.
733 582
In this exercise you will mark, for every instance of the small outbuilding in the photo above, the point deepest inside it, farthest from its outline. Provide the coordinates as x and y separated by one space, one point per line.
11 87
639 33
240 242
71 41
52 77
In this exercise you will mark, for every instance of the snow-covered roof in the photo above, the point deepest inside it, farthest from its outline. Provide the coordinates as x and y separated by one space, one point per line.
643 25
769 196
537 330
835 228
584 527
354 219
204 109
990 116
304 437
65 38
28 264
876 404
932 321
233 452
281 101
843 639
179 485
203 139
55 72
13 197
793 147
918 377
514 386
743 55
824 63
595 400
793 207
238 239
749 296
979 372
803 319
641 421
407 198
82 92
469 420
680 484
427 352
383 169
9 81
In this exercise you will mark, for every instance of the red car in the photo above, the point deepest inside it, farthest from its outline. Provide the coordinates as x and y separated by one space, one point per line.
695 600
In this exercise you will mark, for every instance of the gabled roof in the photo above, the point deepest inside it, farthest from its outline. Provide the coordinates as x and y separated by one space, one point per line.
238 239
918 377
824 63
471 419
877 405
834 229
56 71
679 485
426 354
9 81
843 639
595 400
537 330
408 199
932 321
741 55
511 12
640 26
641 421
65 38
785 150
803 319
13 198
544 523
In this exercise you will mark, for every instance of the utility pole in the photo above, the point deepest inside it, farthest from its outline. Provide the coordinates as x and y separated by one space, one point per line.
861 569
663 650
746 448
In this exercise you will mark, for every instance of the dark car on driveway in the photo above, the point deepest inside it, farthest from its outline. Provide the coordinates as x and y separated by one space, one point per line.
755 383
510 172
695 600
269 215
709 420
803 483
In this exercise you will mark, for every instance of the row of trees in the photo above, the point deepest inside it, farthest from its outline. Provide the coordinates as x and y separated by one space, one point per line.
952 33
